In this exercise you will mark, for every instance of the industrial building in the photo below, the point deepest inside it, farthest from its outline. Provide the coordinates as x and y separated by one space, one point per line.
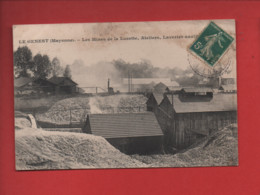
129 132
192 114
54 85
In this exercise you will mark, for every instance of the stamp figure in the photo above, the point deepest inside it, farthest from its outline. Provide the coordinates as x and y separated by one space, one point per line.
211 44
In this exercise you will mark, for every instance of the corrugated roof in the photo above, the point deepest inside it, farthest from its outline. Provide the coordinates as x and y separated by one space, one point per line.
197 90
21 81
219 102
125 125
58 80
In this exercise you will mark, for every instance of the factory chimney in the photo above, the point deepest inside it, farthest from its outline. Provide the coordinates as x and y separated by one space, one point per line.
108 84
110 90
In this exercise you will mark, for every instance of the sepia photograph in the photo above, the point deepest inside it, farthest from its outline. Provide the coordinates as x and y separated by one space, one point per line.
125 95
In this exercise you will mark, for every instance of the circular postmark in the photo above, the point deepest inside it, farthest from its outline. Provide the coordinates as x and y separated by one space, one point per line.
210 54
221 67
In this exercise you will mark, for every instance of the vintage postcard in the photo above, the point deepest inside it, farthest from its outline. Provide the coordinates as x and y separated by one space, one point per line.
125 95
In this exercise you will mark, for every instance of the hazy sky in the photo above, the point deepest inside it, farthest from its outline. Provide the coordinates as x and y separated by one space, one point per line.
160 52
164 52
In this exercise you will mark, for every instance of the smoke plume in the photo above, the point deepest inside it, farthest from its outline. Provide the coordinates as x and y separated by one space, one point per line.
97 75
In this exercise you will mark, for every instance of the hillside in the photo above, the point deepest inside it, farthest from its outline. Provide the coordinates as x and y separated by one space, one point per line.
218 149
60 112
79 107
38 149
117 104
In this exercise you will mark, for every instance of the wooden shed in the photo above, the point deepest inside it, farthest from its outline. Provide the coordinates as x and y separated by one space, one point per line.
164 87
129 132
154 101
64 85
159 88
28 86
185 118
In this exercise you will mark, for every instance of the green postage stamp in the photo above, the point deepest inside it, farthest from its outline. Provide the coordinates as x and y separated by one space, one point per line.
211 44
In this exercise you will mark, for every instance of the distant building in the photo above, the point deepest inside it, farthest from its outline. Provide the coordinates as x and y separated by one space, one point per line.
231 88
162 87
228 81
191 91
64 85
29 86
157 85
21 86
174 89
54 85
216 82
142 81
159 88
129 132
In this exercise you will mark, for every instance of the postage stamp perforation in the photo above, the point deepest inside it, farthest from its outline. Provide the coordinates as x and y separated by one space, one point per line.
211 50
211 44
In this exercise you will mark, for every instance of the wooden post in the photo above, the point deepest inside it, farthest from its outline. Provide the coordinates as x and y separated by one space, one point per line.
70 117
34 112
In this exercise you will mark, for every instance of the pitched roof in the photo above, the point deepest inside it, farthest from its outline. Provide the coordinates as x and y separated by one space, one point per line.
140 81
168 83
124 125
21 81
158 97
219 102
228 87
58 80
160 87
197 90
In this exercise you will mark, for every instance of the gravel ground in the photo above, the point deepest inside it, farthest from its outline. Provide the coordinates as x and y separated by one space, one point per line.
219 149
36 149
118 104
79 107
60 112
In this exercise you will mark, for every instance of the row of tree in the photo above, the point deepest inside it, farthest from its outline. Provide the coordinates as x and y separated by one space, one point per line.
40 66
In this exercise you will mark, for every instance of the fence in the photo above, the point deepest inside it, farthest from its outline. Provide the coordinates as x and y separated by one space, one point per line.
74 117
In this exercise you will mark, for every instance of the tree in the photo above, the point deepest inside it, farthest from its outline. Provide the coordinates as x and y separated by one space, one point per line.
42 66
57 70
22 62
67 72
